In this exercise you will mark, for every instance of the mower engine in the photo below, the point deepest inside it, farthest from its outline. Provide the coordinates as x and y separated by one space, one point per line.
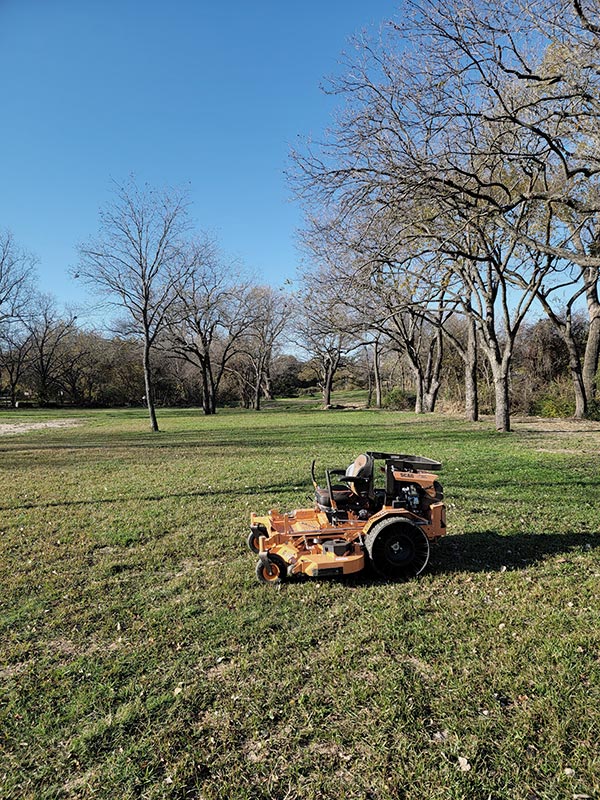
411 501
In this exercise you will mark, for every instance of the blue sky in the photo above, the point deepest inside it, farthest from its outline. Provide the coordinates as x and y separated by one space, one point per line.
200 93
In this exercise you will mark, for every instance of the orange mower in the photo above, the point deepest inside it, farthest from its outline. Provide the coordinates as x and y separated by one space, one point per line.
354 522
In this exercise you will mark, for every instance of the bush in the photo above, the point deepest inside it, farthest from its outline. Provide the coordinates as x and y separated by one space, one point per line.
399 400
553 407
594 410
556 401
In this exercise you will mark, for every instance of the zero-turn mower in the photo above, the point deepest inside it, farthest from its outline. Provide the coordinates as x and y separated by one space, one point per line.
354 522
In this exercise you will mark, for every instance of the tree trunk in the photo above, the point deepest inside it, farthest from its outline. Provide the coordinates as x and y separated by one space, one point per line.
419 398
431 382
579 388
149 388
377 375
267 386
499 357
430 397
327 386
502 405
330 365
471 391
212 399
257 391
581 405
502 396
205 395
208 390
592 347
43 391
212 388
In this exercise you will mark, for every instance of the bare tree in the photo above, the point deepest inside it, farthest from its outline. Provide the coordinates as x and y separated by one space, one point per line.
86 366
16 274
212 315
483 122
525 88
371 274
15 350
48 356
138 260
271 312
326 327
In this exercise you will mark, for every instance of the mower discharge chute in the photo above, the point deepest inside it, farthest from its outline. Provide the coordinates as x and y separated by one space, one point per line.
353 522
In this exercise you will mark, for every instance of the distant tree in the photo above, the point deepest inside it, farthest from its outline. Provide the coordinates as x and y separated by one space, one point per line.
125 374
139 259
86 370
326 329
210 318
16 274
48 356
542 361
287 376
271 312
15 350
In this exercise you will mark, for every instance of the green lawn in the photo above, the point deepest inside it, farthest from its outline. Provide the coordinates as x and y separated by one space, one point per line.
140 658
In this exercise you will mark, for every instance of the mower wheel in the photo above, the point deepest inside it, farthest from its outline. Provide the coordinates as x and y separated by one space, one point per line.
273 572
398 550
253 538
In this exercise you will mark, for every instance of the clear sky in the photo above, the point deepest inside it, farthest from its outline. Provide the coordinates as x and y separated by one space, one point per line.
201 93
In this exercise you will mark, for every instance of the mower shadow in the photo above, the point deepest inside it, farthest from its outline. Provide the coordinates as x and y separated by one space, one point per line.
488 551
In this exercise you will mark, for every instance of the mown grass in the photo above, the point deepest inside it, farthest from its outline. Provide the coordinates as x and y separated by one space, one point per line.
141 659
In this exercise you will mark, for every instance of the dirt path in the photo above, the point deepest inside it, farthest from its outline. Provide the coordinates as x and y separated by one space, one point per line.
10 428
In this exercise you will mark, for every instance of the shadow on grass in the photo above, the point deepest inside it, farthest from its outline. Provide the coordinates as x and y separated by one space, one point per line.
243 438
483 551
158 497
487 551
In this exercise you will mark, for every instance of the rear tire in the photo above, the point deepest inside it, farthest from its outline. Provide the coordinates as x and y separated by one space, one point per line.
273 572
398 550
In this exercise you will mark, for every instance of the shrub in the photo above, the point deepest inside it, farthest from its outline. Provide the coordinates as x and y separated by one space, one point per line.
594 410
556 401
399 400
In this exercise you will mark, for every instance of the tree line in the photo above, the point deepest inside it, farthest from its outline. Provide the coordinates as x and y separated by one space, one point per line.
451 226
230 343
460 182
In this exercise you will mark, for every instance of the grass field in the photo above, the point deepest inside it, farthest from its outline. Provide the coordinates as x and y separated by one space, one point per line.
140 658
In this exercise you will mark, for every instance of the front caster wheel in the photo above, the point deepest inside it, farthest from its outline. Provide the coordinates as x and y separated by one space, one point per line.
273 572
253 537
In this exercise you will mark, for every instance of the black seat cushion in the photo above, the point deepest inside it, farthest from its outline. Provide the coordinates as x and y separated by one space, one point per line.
341 495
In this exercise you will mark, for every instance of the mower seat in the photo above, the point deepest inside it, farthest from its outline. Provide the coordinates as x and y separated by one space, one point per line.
357 490
341 495
361 470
